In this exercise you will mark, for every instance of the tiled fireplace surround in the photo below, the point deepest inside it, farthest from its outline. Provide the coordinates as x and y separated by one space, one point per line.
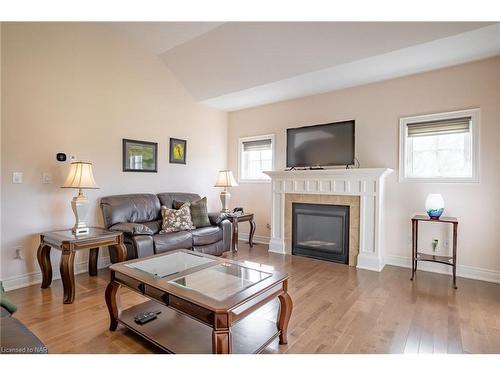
361 189
341 200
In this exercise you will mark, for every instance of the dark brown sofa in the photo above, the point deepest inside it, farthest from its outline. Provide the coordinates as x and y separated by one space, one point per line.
15 337
123 212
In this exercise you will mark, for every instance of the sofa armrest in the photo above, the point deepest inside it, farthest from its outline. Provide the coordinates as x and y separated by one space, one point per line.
144 245
227 232
216 218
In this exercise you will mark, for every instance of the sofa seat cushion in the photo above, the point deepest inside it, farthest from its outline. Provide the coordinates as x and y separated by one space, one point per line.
206 235
172 241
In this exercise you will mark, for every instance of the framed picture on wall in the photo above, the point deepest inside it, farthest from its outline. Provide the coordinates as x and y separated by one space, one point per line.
140 156
178 151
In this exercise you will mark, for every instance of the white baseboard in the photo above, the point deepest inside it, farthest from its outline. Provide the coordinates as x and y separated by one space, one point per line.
256 239
369 262
467 272
33 278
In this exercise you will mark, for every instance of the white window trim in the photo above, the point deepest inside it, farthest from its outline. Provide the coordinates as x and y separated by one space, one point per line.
475 124
240 146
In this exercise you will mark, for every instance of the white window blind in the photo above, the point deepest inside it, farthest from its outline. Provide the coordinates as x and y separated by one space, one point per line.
256 156
259 145
428 128
440 147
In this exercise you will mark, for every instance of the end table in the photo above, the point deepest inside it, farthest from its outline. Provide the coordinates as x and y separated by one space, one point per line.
418 256
238 218
68 243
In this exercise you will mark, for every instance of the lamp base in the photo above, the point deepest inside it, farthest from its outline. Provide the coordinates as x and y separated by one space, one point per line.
80 206
225 196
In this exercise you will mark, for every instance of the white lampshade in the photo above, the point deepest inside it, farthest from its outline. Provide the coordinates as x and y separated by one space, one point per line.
80 176
225 179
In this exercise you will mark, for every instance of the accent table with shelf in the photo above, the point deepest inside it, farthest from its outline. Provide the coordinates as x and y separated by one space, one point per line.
419 256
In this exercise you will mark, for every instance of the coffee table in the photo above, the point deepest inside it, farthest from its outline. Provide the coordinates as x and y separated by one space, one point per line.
206 302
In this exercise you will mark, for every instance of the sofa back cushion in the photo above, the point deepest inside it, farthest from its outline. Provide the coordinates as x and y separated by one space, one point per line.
199 212
167 199
130 208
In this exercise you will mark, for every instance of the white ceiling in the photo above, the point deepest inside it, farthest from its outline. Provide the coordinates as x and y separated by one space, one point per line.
158 37
238 65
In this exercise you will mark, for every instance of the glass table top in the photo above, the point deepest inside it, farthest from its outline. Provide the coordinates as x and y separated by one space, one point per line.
170 264
221 280
68 235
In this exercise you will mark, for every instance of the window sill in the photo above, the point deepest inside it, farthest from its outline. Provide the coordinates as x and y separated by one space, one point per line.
254 181
440 180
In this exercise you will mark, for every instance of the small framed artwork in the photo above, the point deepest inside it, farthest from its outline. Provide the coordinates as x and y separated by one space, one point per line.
178 151
140 156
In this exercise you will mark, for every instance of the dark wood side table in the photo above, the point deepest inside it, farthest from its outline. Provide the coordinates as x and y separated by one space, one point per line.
69 244
418 256
235 219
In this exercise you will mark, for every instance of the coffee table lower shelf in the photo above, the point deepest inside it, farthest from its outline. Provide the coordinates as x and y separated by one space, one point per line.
177 333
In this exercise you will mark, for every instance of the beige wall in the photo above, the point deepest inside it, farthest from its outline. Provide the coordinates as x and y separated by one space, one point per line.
75 88
377 108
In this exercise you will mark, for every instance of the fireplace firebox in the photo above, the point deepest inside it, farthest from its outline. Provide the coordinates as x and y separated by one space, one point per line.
321 231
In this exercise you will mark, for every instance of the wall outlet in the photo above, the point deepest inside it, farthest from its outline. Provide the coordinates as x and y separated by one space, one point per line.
19 253
446 244
17 177
46 178
268 226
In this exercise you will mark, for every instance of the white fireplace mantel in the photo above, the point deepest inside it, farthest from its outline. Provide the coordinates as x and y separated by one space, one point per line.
367 183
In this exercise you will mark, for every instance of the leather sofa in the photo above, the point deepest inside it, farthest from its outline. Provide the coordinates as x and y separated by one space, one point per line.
138 216
15 337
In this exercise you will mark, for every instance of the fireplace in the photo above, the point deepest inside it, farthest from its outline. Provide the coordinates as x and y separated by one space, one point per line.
321 231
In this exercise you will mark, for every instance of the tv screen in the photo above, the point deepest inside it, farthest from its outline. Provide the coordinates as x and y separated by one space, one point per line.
321 145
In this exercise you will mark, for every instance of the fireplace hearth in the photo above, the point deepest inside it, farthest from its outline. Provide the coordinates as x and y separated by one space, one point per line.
321 231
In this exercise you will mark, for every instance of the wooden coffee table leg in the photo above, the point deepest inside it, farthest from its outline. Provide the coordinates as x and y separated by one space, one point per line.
43 256
286 306
114 305
121 252
252 232
93 255
221 334
66 266
221 342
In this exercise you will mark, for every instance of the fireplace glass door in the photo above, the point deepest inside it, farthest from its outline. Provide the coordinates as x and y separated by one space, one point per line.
321 231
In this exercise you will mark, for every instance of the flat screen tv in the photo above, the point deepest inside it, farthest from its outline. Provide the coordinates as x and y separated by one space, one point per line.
320 145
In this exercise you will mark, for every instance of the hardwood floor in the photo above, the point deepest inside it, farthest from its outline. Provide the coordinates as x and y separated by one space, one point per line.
337 309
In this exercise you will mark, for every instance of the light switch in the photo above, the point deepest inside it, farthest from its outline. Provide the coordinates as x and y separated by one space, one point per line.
46 178
17 177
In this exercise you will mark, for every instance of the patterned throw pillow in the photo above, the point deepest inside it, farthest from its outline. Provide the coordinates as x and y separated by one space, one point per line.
199 212
176 220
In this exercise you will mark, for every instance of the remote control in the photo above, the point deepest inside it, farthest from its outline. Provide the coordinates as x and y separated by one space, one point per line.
146 317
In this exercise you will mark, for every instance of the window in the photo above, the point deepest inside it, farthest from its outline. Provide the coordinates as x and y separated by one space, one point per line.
256 154
440 148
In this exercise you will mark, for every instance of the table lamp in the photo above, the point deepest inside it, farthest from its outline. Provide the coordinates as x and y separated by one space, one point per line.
225 180
80 177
